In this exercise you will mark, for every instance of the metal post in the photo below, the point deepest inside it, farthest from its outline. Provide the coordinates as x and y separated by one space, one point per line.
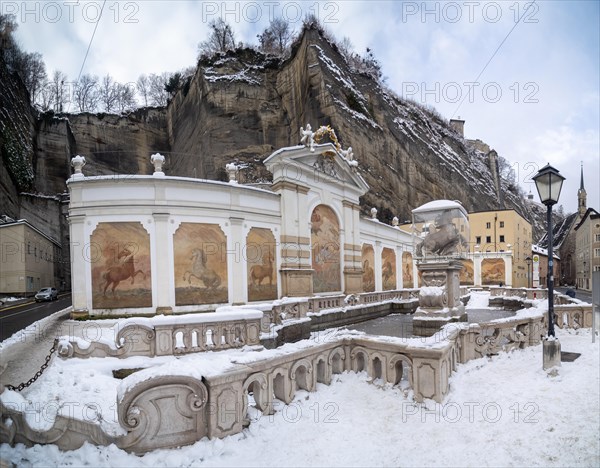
550 273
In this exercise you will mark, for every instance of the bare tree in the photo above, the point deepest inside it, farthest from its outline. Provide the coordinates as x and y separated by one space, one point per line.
276 38
220 39
158 94
86 93
143 88
33 72
109 93
59 91
125 97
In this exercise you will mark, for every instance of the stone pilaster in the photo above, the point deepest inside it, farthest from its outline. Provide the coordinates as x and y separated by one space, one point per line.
79 266
163 264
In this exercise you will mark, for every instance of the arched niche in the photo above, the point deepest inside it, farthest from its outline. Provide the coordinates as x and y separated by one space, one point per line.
325 246
407 269
261 260
200 256
388 269
119 257
368 264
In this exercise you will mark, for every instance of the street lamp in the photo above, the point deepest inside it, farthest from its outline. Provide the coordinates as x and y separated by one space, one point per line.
549 182
528 260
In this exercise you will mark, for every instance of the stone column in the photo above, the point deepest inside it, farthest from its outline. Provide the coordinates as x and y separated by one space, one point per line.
237 268
79 265
377 266
351 249
163 264
296 268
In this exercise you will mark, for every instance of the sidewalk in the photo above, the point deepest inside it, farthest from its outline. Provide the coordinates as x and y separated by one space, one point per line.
22 354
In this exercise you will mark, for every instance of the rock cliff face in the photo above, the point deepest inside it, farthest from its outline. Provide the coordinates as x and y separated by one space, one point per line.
241 106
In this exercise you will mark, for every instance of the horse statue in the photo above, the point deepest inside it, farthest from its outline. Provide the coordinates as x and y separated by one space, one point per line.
124 270
445 240
201 271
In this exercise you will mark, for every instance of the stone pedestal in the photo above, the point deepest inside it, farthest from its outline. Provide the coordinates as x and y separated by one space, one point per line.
296 282
551 352
439 298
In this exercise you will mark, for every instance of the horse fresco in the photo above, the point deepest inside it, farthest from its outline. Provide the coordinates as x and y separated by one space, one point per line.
121 272
201 271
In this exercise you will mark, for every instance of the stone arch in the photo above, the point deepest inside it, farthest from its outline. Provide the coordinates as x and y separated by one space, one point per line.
359 359
377 368
322 370
258 385
280 385
336 360
301 375
325 248
400 368
261 260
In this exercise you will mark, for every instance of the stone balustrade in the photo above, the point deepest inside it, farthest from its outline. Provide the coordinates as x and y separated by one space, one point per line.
172 335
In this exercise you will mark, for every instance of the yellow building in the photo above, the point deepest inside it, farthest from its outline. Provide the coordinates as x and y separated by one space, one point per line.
501 231
28 258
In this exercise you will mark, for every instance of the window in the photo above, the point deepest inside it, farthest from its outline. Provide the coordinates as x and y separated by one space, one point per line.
488 239
488 225
478 240
501 223
596 252
501 238
597 238
596 267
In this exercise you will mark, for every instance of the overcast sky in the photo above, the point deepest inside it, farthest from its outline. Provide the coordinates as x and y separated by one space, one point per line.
537 101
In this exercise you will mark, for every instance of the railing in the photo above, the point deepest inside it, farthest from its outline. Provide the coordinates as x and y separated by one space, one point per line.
171 335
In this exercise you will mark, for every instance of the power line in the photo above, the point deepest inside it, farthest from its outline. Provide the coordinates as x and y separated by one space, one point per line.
493 55
89 45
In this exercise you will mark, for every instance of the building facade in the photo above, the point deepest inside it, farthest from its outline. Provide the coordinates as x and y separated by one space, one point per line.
587 254
539 267
28 259
494 234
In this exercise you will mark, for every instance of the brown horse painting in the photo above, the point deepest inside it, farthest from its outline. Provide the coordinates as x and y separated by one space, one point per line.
117 273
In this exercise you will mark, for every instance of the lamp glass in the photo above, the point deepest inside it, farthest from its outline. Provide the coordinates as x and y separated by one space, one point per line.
548 182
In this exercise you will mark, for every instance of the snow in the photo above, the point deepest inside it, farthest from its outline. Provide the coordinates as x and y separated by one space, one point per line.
439 205
533 421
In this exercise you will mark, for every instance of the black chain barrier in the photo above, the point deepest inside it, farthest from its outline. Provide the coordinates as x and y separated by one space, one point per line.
37 375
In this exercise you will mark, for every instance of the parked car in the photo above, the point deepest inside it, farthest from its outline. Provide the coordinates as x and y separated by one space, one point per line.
46 294
570 292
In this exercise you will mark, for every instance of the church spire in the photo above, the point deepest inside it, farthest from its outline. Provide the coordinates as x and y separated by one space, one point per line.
581 197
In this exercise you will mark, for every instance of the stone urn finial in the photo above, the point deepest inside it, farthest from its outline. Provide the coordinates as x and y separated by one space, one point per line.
395 221
158 160
232 171
78 162
374 213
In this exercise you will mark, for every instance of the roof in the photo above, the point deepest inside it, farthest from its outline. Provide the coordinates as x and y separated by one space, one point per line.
590 212
560 231
26 223
538 250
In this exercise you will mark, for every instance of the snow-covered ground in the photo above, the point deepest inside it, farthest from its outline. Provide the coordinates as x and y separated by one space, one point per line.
501 411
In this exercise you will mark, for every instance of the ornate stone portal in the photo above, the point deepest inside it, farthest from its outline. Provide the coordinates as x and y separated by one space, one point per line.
441 229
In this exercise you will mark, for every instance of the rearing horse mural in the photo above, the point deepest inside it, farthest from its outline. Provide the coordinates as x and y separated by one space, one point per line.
121 266
124 270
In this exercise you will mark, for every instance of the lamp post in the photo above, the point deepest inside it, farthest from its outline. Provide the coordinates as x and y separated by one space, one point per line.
549 182
528 261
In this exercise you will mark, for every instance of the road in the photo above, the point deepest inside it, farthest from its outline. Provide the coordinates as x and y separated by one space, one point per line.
579 294
15 318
